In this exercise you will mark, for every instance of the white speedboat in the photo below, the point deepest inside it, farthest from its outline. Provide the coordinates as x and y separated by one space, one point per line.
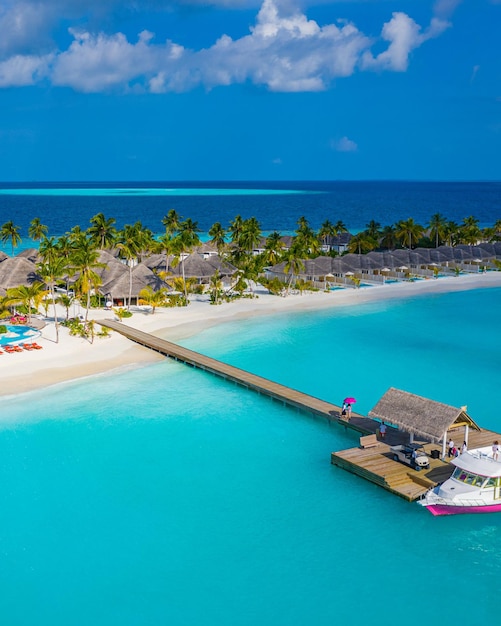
474 487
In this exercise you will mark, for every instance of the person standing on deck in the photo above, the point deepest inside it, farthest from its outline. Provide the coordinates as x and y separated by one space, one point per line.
348 411
450 446
464 447
382 430
495 450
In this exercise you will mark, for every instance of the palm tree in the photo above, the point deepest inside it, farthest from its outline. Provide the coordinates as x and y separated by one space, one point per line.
306 238
29 296
152 298
65 300
52 270
167 244
373 229
49 249
340 228
186 239
85 262
437 226
131 242
362 243
407 231
37 230
451 232
10 232
171 222
469 230
218 237
388 238
273 248
250 236
235 228
102 231
216 286
326 230
293 264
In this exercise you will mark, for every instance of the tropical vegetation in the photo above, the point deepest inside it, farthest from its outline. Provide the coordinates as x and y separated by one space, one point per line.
74 259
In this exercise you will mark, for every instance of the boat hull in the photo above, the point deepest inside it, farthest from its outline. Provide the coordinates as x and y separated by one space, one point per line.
449 509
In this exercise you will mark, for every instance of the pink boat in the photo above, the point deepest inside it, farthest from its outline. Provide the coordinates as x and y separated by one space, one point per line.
474 487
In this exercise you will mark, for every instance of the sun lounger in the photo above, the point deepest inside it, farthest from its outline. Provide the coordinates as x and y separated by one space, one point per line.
26 346
36 346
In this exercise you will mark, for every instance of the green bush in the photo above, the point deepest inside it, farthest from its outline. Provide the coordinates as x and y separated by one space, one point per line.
3 329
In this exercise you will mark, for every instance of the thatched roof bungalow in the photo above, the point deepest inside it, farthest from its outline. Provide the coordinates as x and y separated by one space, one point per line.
118 287
420 416
17 271
195 266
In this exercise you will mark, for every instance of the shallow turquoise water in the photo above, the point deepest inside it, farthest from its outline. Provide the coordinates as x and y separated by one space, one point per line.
168 496
145 191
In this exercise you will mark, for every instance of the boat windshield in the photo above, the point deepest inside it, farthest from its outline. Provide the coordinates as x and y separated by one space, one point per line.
471 479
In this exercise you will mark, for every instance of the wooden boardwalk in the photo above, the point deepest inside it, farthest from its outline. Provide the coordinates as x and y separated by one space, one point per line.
281 393
374 464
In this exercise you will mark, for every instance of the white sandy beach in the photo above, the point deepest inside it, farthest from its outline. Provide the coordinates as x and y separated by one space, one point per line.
74 358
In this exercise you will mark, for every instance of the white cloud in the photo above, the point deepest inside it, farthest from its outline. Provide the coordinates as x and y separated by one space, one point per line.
21 71
97 63
344 145
284 51
404 36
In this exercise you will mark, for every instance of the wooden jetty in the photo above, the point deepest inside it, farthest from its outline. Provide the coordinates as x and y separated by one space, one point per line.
375 463
281 393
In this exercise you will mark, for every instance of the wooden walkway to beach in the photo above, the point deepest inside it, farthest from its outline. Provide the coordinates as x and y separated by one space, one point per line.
276 391
375 464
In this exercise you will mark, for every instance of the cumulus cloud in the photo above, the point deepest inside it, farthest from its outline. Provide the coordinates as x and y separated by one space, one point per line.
404 36
21 71
284 51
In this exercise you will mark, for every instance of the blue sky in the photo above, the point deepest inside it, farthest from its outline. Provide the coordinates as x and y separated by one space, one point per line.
245 90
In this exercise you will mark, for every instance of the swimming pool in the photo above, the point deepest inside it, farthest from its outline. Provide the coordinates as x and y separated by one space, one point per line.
18 334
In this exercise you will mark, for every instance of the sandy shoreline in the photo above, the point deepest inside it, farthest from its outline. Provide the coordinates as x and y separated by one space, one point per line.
73 358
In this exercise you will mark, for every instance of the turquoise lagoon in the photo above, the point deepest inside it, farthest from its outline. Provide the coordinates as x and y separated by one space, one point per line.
167 496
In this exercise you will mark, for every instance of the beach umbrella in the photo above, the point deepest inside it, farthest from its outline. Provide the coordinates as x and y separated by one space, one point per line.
349 400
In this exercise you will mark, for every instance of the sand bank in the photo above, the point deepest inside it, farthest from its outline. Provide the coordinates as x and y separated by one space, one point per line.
72 358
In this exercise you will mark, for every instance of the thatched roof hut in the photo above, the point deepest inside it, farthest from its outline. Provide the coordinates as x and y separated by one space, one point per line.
420 416
17 271
195 266
119 286
32 254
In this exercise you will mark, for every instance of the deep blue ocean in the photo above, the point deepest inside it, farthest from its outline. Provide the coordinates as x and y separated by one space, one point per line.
166 496
277 205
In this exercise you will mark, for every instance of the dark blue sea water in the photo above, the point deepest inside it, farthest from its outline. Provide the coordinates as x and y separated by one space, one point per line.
277 205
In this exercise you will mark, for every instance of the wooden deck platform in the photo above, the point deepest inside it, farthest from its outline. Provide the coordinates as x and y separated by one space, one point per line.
375 464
